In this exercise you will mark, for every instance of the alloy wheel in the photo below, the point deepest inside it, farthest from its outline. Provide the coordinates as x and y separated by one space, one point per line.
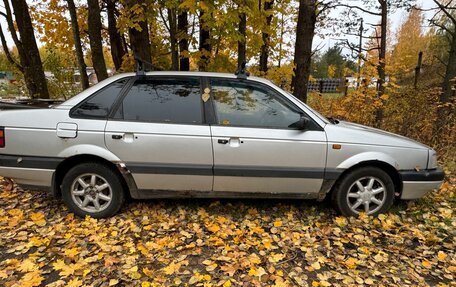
367 194
91 192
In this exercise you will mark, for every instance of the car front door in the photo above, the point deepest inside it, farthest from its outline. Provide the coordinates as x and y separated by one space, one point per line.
158 130
256 148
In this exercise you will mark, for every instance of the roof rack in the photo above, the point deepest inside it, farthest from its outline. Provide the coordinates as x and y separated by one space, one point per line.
140 66
241 72
140 71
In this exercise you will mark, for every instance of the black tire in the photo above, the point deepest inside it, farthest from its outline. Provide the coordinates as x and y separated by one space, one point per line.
104 175
348 184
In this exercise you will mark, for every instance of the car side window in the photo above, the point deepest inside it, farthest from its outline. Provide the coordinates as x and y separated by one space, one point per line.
163 100
99 104
239 103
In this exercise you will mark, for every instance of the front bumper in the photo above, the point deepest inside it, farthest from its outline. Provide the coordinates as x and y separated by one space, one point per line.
416 184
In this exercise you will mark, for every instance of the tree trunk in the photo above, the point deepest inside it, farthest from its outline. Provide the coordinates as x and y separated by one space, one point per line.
173 39
139 39
242 40
205 43
265 36
381 58
282 32
305 31
448 89
115 39
182 27
95 40
78 46
28 49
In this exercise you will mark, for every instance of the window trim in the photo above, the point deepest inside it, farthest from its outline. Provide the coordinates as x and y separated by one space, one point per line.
73 109
292 106
119 101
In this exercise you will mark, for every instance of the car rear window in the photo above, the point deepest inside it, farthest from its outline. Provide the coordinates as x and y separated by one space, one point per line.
163 100
99 104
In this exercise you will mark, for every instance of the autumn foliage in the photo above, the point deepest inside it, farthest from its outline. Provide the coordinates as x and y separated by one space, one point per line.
227 243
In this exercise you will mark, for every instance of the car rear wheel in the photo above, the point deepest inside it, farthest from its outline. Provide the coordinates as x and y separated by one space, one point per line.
92 189
368 189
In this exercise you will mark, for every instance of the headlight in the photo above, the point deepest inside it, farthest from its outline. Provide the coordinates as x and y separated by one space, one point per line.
432 161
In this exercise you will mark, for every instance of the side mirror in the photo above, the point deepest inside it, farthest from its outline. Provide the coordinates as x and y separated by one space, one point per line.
302 124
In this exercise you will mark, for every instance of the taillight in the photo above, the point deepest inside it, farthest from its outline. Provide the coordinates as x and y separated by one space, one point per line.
2 137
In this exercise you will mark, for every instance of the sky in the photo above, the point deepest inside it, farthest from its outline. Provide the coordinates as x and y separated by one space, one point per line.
396 19
322 44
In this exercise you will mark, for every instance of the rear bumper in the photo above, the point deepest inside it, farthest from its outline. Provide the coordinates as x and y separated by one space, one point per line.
28 176
416 184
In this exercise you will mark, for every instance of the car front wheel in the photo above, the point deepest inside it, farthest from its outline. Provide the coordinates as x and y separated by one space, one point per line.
92 189
369 190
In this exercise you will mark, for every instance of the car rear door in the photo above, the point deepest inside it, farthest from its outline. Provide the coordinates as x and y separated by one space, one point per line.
255 149
159 132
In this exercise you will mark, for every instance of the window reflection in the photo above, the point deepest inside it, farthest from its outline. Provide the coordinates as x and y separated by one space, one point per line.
163 100
101 102
242 104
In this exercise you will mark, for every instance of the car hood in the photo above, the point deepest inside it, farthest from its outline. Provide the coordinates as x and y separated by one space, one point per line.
347 132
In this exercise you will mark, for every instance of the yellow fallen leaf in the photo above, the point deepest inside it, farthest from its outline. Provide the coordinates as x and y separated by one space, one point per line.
254 259
426 264
277 223
59 265
71 253
316 265
351 263
341 221
276 257
213 227
148 272
113 282
441 256
227 283
171 268
74 283
135 275
31 279
27 266
211 267
378 257
267 244
257 271
38 218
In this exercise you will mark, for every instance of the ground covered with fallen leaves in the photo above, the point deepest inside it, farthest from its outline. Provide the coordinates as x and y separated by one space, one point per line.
227 243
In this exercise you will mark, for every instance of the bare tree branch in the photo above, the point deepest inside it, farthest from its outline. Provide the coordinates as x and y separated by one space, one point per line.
434 23
444 9
7 52
164 20
365 37
318 48
359 8
356 47
9 20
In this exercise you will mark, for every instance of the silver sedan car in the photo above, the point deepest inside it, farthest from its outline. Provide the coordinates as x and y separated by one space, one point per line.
195 134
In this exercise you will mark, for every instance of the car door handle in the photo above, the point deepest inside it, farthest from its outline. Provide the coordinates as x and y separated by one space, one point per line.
222 141
117 137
